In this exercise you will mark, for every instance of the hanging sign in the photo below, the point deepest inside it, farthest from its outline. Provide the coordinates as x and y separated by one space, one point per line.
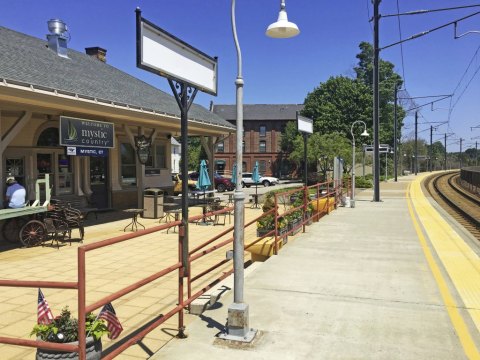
143 145
86 133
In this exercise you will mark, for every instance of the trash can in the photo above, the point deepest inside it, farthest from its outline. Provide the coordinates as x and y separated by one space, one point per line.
153 203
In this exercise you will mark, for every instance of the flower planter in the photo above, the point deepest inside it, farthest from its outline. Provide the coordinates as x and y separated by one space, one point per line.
294 226
263 232
309 218
94 352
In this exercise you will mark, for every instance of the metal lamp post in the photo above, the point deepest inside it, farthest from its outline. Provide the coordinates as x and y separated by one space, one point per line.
365 133
238 326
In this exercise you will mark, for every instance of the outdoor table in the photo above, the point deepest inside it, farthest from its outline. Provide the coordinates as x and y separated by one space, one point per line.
166 210
134 223
175 214
230 199
255 204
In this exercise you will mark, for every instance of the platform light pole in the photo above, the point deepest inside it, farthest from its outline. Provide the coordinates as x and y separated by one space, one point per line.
238 328
365 134
376 101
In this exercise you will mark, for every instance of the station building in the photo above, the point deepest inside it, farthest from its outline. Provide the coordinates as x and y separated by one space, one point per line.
42 81
262 134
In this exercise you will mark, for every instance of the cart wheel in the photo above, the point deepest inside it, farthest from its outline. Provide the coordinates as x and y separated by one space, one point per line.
33 233
11 229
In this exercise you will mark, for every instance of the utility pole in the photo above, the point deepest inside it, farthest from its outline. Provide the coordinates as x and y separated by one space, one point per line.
415 163
376 55
445 160
431 150
476 153
460 155
395 125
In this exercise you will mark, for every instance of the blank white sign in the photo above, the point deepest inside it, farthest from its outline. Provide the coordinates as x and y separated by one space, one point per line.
175 59
305 124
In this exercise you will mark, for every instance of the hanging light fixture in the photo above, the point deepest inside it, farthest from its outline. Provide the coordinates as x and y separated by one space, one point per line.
282 28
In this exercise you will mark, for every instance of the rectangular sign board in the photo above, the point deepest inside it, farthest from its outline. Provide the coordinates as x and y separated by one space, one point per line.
86 133
163 54
304 124
86 151
382 148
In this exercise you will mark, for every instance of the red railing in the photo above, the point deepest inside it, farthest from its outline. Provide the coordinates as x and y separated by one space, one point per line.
329 191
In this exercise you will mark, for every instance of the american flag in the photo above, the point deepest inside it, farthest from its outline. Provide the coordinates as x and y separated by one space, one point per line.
45 315
113 325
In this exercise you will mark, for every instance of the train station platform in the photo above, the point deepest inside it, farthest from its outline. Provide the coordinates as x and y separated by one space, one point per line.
395 279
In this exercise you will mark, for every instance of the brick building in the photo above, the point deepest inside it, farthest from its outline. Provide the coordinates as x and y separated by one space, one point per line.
263 126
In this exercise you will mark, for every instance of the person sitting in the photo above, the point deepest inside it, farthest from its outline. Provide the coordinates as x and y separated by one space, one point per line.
15 194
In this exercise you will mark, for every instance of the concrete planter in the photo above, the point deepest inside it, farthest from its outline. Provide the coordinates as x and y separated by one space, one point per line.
94 352
295 226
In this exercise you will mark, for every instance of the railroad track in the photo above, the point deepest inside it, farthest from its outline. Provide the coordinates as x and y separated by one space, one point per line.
461 205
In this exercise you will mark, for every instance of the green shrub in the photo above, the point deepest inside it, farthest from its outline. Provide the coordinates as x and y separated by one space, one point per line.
361 182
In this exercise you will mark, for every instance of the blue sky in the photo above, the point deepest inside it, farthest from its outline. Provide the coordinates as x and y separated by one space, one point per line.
285 71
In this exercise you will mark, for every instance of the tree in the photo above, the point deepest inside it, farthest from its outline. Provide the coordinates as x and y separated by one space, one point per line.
388 79
195 152
287 142
324 148
337 103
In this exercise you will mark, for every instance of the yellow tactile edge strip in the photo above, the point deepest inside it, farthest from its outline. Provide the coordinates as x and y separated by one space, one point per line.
460 262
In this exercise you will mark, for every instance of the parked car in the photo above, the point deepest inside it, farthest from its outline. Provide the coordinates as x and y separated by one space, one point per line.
177 183
221 183
247 180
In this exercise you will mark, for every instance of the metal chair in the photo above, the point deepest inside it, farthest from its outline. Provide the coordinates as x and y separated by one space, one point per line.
55 228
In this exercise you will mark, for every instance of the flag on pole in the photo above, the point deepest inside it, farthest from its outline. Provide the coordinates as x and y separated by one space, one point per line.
113 325
45 315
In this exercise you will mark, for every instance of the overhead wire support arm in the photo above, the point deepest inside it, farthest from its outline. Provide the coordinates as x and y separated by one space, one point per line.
423 33
429 103
420 12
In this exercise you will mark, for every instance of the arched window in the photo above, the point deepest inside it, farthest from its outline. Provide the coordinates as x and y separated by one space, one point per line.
48 137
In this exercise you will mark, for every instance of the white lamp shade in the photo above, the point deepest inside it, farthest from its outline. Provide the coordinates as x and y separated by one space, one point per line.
365 133
282 28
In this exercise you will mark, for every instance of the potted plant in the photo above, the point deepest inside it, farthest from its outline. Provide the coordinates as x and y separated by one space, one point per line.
267 223
295 218
64 329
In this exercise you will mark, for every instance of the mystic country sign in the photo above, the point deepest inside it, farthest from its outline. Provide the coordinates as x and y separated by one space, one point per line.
86 133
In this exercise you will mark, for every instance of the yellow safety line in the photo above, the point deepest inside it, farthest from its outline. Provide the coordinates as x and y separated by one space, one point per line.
458 322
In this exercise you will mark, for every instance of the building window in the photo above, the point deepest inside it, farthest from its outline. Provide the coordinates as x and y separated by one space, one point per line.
263 131
262 166
243 146
48 137
160 156
262 146
157 157
220 147
128 164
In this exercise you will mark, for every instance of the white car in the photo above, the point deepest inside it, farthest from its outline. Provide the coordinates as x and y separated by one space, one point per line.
247 180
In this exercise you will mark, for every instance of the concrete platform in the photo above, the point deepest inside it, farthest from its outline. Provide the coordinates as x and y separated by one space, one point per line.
360 284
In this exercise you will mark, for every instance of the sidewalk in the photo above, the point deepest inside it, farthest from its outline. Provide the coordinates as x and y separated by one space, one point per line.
355 286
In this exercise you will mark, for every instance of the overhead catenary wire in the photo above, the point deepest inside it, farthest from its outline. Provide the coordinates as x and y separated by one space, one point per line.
426 32
401 47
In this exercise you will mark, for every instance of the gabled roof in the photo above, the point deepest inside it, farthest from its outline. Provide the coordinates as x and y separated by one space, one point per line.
259 111
27 61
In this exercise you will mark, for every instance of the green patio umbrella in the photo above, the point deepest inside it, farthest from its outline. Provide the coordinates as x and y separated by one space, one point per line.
203 179
202 184
256 180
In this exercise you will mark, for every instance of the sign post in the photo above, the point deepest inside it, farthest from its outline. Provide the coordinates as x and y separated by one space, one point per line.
305 126
187 70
